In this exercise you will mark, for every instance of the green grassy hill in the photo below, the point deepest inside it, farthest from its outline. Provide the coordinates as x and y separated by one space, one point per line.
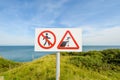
91 65
6 65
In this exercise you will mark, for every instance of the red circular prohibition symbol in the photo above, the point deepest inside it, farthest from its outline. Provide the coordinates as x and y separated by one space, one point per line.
51 44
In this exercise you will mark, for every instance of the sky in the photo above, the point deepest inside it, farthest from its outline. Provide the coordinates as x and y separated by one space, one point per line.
98 19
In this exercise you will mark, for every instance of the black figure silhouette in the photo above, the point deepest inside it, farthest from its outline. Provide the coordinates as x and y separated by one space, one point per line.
64 43
46 39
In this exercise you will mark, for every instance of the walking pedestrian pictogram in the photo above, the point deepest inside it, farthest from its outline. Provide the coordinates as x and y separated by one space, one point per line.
68 42
46 39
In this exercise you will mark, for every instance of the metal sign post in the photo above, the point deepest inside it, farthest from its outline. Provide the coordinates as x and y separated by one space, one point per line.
58 66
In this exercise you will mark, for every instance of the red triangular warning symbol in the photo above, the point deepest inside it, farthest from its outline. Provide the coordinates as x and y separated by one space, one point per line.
65 42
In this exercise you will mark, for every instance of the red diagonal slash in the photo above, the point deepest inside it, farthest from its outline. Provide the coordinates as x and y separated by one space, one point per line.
46 39
42 35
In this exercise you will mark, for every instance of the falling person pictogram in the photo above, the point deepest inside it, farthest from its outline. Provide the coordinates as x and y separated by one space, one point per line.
64 43
45 38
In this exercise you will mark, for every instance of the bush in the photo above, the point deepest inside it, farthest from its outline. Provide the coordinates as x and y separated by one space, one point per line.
111 56
97 60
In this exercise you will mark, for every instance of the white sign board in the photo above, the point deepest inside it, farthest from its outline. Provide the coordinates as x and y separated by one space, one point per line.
58 39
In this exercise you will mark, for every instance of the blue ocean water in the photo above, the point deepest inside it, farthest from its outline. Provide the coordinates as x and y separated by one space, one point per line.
27 53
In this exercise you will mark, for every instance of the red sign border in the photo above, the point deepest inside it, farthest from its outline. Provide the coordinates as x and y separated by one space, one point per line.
77 46
41 35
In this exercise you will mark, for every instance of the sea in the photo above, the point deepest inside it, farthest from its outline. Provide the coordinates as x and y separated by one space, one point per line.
27 53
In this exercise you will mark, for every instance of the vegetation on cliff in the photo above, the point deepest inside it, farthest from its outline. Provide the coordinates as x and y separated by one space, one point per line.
91 65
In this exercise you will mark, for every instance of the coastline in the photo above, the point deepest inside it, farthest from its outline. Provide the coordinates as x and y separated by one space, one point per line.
100 65
27 53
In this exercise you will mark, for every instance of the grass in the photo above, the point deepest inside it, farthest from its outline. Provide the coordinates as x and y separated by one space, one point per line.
91 65
6 65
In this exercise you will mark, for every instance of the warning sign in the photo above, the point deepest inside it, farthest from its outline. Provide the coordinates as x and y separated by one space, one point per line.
68 42
46 39
58 39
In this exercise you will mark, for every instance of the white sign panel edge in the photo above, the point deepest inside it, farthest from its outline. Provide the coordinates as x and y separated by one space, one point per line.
59 33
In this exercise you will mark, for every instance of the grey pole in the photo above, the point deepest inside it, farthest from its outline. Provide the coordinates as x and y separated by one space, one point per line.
58 66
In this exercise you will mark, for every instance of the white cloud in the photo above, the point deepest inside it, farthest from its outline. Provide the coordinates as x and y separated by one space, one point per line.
7 39
107 36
